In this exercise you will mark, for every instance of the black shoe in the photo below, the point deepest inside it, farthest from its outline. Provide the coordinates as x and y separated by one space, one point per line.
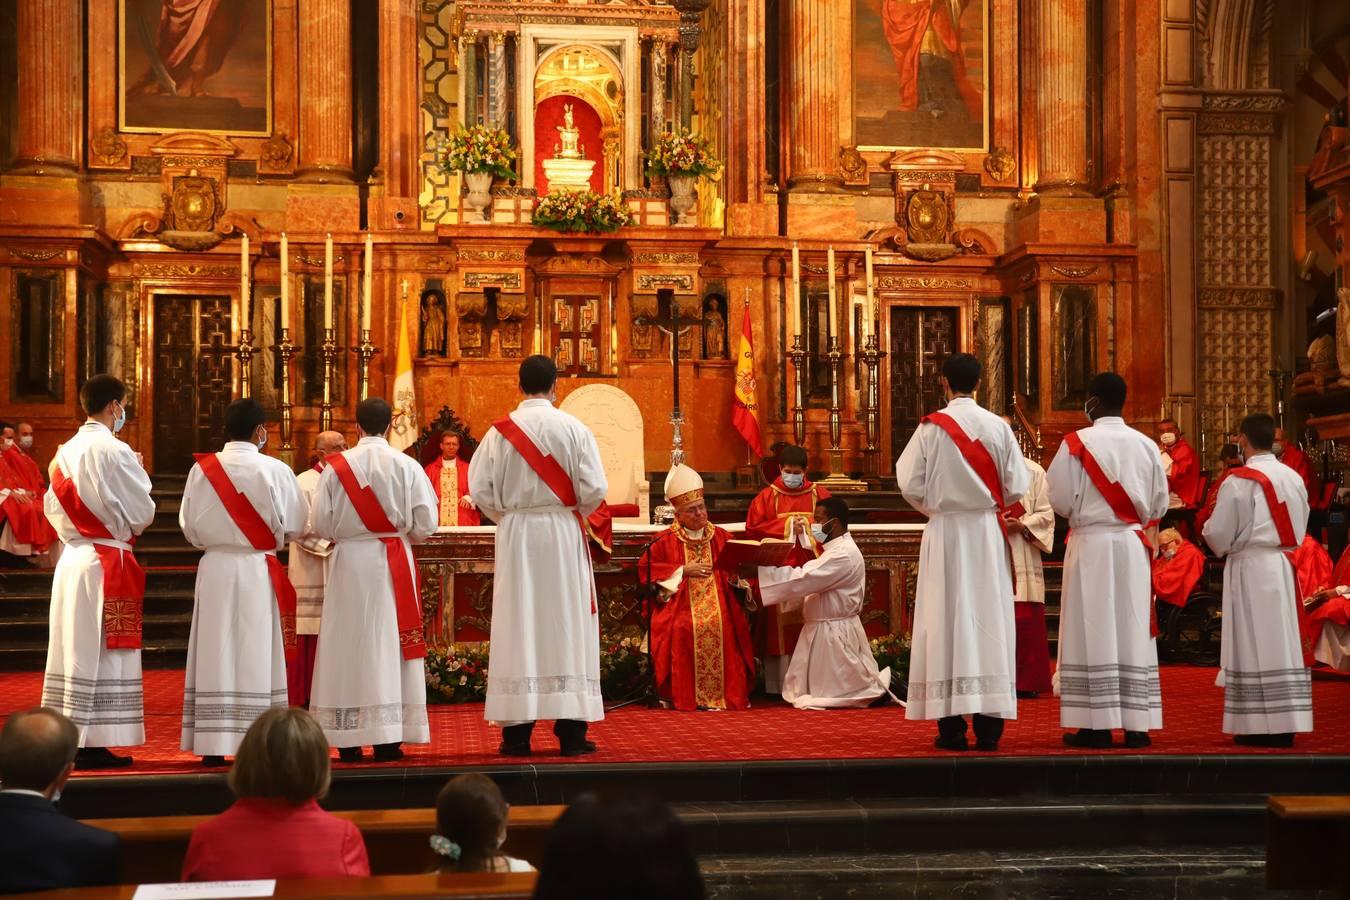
505 749
1089 739
952 743
1264 740
100 758
1137 739
213 762
389 752
578 749
986 746
350 754
1027 695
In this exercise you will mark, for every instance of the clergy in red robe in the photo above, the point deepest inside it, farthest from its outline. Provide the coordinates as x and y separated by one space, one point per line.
450 478
1177 569
24 529
791 497
1289 454
1329 617
1312 567
700 637
1182 465
1231 458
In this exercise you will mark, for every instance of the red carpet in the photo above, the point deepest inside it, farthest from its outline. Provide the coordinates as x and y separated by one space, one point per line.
1192 715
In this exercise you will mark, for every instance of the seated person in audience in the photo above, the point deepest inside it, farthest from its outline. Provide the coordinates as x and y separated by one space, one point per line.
832 665
619 847
41 849
1329 617
1177 569
275 829
471 827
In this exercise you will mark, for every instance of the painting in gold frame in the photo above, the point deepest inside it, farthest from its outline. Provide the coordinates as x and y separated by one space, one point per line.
921 74
195 65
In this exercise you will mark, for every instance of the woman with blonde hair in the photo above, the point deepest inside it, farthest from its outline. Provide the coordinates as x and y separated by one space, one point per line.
275 829
471 827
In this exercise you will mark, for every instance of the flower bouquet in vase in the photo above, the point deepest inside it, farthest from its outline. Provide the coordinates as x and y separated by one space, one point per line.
582 212
482 154
681 157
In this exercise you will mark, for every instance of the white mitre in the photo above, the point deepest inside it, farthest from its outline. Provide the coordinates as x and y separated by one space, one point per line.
683 486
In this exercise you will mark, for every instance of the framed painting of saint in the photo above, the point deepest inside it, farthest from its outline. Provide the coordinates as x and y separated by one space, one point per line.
921 74
195 65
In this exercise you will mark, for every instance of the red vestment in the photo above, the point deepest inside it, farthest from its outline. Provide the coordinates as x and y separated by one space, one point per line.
770 516
1184 481
195 36
906 24
467 516
1336 609
1175 578
26 518
27 469
1297 460
700 638
1312 564
1211 500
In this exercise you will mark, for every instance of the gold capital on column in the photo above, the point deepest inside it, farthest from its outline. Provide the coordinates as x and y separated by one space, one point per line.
813 98
1061 97
325 91
50 48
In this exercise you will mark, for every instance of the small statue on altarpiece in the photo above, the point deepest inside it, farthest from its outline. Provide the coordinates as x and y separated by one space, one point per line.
714 330
434 324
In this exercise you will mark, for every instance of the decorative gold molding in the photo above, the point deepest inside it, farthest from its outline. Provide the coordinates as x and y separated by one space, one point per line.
666 259
509 254
317 261
1074 271
185 270
276 152
1000 164
41 254
648 281
492 279
923 282
1239 298
108 146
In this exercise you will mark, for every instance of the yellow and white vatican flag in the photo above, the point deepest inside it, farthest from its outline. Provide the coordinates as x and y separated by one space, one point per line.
404 401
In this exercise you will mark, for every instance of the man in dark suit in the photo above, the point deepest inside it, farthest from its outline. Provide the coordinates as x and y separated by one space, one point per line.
43 849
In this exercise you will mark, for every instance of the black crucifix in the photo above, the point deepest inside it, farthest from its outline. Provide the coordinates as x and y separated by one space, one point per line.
673 324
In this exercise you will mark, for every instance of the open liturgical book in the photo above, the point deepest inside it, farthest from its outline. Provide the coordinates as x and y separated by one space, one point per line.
768 552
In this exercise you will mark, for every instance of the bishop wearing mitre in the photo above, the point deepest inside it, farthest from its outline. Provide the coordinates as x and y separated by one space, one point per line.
700 636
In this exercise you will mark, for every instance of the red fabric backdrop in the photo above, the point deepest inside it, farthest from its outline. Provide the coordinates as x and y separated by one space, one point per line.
547 117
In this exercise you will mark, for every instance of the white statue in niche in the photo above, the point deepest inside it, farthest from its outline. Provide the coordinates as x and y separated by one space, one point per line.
571 135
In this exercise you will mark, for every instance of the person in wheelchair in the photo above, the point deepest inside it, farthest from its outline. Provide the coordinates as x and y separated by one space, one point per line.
1178 569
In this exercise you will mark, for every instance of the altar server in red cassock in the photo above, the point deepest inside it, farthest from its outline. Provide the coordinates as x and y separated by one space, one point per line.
1108 481
1030 524
99 502
700 636
1258 523
1329 617
374 503
240 507
538 475
450 479
1181 464
962 468
791 498
1230 458
1288 453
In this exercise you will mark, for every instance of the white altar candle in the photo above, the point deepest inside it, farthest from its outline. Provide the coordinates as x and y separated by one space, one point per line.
244 305
834 329
285 284
365 288
328 282
795 301
869 321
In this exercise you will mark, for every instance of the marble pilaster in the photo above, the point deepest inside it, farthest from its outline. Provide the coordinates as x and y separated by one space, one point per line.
659 63
326 92
497 79
50 109
400 119
1061 97
812 97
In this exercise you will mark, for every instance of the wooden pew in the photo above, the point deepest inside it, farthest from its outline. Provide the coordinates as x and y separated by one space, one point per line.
397 887
396 840
1308 843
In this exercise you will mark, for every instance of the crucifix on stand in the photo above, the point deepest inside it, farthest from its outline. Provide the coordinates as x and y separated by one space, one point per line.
674 324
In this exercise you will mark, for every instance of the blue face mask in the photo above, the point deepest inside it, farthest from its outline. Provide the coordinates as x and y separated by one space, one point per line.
793 480
820 533
120 421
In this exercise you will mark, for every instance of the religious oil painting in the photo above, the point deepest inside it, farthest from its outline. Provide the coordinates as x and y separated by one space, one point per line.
195 65
921 74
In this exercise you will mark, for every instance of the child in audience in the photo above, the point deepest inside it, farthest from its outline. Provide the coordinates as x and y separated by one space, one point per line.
471 827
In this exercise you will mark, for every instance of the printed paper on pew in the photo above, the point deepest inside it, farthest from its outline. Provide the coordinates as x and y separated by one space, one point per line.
206 890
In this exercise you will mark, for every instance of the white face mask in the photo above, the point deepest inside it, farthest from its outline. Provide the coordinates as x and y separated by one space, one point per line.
1168 439
793 480
1277 448
26 442
121 420
820 533
263 443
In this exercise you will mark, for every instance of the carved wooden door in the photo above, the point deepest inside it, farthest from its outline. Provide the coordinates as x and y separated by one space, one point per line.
921 340
576 333
194 378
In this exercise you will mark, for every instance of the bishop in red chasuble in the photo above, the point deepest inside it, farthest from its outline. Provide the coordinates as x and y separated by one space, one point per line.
700 637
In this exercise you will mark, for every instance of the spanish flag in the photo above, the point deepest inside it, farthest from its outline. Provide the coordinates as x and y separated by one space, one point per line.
404 431
744 407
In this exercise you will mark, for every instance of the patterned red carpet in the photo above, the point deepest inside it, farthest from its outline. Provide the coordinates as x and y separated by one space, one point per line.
1192 714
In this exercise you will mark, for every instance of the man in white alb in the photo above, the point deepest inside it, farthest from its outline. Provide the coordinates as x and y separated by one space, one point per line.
99 501
1108 481
832 665
1258 522
1030 524
962 468
369 678
306 568
241 507
537 473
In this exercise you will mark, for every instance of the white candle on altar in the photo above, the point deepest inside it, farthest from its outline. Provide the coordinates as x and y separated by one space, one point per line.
285 284
365 288
868 321
328 282
795 301
834 329
243 282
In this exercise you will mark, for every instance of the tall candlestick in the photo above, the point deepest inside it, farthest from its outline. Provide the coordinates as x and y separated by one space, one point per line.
243 278
365 288
328 282
834 330
795 301
869 321
285 284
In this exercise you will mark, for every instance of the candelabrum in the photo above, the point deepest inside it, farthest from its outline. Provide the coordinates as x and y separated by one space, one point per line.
287 351
836 420
244 352
798 354
364 351
871 357
329 351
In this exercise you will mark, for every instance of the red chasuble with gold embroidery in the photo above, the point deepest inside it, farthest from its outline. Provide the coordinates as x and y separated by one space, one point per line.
770 515
700 636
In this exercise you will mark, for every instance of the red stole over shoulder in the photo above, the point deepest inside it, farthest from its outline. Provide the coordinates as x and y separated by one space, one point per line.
975 453
372 515
259 535
123 577
1284 527
551 472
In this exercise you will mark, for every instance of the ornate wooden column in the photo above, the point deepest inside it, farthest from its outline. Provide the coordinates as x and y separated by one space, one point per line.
812 97
325 92
50 49
1061 97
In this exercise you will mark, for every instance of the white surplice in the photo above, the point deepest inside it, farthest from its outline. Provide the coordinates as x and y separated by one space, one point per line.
964 654
832 665
1267 687
1039 519
545 650
1108 660
364 691
308 558
236 661
97 688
